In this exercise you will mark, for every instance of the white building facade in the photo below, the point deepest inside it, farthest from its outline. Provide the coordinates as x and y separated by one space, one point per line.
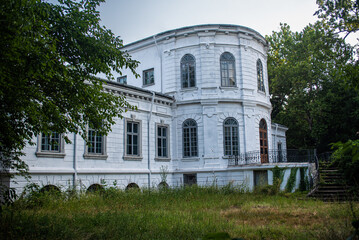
203 116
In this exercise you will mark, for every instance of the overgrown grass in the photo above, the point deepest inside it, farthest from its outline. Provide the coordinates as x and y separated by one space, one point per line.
182 213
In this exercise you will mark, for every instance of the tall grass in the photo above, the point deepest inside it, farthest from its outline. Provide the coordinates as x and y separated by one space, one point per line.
180 213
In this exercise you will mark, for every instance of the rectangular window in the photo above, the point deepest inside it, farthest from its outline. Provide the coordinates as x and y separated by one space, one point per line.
50 142
148 77
162 141
95 142
190 179
50 145
280 153
96 145
122 79
132 139
260 178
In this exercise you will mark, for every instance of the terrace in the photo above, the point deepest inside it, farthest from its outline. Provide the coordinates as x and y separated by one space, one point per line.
274 156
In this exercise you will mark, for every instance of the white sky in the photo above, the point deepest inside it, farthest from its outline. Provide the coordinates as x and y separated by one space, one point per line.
133 20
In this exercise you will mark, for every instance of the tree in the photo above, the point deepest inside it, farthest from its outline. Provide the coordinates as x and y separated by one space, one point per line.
307 72
50 55
342 15
346 156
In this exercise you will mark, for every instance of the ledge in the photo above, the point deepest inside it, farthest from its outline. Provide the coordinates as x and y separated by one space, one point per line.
132 158
190 159
159 159
261 93
228 88
50 154
95 156
148 85
188 89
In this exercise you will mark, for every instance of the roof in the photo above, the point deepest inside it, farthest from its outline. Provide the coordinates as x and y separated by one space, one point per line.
124 86
198 28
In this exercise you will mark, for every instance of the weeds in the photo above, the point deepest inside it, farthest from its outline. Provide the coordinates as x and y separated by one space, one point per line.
179 213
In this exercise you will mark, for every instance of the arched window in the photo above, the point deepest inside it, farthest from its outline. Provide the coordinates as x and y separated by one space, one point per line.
95 188
263 141
260 76
188 71
190 138
51 189
231 140
228 71
132 186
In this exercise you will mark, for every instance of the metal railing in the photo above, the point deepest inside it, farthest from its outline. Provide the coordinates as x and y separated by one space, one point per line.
273 156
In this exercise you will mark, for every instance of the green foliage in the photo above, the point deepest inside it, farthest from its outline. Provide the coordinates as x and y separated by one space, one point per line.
50 55
304 182
278 174
291 180
346 157
342 15
307 73
217 236
180 213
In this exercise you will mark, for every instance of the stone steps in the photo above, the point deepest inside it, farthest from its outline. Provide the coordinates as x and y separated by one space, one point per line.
332 185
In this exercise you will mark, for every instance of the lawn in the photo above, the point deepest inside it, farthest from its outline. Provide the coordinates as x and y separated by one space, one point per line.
183 213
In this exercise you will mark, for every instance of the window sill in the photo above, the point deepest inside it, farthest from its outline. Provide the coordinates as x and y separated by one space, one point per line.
190 159
50 154
95 156
230 157
148 85
189 89
132 158
161 159
228 88
261 92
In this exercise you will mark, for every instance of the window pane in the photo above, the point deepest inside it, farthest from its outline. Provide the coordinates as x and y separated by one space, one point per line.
135 127
135 150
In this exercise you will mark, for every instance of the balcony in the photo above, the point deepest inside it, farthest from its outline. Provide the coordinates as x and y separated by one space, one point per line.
288 156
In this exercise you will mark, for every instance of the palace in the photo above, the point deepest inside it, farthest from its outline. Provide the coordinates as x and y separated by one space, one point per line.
203 117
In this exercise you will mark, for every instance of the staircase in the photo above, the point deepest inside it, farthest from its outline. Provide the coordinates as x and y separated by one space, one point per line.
331 185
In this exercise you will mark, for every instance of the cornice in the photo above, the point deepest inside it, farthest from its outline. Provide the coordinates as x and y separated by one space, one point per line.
197 30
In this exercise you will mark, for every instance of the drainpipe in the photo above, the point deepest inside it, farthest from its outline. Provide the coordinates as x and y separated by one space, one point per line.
75 163
148 140
160 55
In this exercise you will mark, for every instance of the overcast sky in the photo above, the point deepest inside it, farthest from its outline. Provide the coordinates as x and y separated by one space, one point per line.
133 20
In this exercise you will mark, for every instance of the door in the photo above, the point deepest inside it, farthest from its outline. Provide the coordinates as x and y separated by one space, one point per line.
263 141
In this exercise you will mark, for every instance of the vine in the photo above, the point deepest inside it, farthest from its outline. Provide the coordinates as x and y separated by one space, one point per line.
304 182
291 180
278 174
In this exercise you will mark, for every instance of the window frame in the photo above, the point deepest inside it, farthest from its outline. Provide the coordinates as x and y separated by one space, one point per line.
260 76
190 155
185 65
122 77
60 153
94 155
223 61
144 83
163 158
231 131
127 156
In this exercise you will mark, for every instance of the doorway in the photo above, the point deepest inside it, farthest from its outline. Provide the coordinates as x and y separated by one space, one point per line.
263 141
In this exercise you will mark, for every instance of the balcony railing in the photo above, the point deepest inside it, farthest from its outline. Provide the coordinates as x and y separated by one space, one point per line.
286 156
